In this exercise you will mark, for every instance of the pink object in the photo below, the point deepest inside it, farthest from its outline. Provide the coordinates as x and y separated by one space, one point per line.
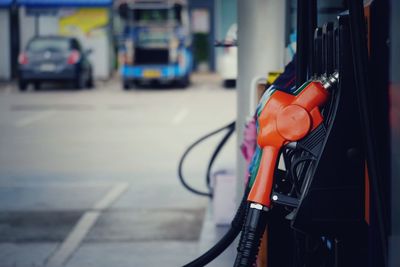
249 143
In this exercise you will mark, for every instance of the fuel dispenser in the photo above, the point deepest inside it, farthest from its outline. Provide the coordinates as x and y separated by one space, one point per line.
326 132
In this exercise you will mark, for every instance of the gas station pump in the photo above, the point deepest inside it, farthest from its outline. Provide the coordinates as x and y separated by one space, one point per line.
330 132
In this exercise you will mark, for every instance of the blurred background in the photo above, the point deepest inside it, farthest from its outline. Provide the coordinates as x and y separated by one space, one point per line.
99 100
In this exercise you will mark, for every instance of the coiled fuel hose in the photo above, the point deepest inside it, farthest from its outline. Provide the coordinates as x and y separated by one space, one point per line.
228 238
230 130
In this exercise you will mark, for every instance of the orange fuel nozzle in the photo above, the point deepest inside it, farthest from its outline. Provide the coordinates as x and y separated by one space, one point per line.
286 118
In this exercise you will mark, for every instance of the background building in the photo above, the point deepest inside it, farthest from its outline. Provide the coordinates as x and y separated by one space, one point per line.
5 40
89 21
226 16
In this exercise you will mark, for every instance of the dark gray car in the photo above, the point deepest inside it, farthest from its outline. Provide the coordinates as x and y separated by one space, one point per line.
54 58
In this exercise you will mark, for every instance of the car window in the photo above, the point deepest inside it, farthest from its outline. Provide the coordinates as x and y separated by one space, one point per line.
38 45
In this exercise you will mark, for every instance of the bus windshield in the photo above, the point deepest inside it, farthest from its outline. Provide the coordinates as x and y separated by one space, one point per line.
151 15
154 39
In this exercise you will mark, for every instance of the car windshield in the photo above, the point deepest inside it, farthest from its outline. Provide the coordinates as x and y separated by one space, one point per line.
49 44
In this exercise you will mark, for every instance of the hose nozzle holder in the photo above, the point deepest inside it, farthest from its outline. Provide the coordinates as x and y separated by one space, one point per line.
328 82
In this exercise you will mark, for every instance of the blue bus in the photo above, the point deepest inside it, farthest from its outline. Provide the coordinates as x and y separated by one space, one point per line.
156 43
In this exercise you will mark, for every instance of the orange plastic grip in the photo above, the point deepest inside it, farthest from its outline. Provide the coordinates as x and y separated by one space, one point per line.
285 118
266 171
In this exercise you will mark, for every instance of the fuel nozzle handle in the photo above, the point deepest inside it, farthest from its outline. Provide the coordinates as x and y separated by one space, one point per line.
286 118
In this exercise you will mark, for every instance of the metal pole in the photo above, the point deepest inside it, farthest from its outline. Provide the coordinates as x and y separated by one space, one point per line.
261 40
37 24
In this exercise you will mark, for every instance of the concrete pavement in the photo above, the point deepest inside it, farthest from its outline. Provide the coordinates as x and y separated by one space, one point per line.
88 178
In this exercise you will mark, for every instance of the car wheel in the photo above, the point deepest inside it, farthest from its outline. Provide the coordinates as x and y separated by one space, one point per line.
22 85
230 83
126 85
90 83
184 82
36 85
79 82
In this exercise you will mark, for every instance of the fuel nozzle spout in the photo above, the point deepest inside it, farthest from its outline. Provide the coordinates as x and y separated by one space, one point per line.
328 82
253 229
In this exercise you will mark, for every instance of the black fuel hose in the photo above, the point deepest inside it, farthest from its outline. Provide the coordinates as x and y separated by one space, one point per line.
231 128
253 230
228 238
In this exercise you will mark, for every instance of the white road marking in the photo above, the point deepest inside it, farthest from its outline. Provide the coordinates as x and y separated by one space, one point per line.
74 239
34 118
180 116
111 196
82 228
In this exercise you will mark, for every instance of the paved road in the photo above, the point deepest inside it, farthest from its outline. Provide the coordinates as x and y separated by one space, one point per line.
88 178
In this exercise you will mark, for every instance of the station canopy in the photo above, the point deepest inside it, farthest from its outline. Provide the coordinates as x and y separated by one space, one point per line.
64 3
5 3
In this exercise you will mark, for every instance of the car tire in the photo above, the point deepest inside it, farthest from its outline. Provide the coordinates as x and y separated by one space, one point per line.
90 83
126 85
184 82
230 83
22 85
36 85
79 82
